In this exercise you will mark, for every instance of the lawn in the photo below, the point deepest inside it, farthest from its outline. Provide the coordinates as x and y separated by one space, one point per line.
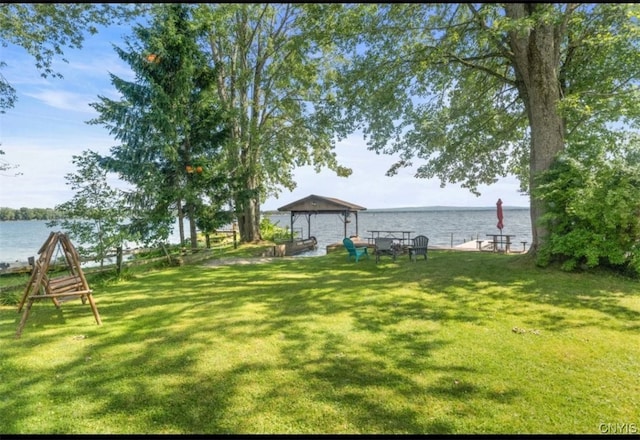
465 342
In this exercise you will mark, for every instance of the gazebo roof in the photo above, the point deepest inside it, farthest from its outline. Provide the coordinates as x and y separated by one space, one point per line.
320 204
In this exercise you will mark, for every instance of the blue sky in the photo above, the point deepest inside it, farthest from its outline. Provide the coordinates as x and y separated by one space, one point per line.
48 126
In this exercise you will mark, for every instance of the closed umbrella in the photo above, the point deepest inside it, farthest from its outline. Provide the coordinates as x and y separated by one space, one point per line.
500 218
500 215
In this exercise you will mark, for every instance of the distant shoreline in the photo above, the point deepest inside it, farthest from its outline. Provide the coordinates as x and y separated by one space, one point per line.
447 208
401 209
428 208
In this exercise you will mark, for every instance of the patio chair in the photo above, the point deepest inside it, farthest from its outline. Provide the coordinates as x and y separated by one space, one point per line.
385 246
419 247
355 252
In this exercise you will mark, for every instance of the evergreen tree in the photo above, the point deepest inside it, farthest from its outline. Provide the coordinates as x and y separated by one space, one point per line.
168 124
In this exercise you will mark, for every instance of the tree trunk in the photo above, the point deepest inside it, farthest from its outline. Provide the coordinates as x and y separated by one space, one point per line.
536 62
192 225
249 220
180 221
547 140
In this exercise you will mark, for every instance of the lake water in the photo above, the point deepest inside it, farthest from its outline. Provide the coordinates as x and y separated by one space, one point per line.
444 227
20 240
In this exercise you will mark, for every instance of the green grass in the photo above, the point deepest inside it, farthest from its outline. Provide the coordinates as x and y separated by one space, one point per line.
465 342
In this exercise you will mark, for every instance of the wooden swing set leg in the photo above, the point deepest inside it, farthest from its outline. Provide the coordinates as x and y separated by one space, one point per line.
21 304
25 295
23 320
94 309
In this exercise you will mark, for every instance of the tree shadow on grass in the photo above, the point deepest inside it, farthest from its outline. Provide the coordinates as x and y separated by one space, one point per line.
145 364
484 283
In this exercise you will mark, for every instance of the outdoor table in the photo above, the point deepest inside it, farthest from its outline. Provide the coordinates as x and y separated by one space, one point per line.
403 236
507 241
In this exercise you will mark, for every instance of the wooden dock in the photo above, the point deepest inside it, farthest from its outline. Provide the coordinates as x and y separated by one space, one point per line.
292 247
357 241
472 245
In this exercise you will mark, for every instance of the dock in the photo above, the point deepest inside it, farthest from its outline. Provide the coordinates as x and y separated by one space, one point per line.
357 241
292 247
468 246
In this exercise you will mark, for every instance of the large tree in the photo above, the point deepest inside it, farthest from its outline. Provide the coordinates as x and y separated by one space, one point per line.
479 91
168 123
270 61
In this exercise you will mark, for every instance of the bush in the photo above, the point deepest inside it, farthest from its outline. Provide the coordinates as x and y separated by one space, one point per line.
272 232
592 213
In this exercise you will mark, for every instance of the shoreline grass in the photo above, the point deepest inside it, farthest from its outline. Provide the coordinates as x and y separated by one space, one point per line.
465 342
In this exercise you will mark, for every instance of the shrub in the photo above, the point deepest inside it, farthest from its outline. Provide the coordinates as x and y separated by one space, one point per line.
272 232
592 213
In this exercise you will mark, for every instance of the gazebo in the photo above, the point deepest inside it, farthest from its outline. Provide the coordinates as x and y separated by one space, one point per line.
314 204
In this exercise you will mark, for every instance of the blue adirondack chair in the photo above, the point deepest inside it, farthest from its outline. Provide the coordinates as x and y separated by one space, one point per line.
355 252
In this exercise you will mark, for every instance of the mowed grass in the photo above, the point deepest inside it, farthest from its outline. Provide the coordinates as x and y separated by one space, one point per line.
465 342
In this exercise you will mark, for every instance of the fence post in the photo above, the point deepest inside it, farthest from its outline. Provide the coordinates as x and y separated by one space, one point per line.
452 239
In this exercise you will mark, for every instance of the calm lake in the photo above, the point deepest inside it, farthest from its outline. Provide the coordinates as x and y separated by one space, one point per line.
20 240
444 226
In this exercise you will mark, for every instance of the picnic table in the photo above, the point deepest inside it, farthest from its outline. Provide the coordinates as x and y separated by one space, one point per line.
504 240
404 237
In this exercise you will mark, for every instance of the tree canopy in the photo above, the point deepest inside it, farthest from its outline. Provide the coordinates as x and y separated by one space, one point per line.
471 92
273 63
44 30
96 215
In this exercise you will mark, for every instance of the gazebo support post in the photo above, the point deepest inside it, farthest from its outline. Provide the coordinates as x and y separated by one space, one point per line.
357 233
345 214
292 220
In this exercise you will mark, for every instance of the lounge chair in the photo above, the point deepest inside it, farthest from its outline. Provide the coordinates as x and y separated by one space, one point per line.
419 247
355 252
385 246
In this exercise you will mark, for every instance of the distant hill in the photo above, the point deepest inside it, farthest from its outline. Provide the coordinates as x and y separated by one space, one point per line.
445 208
429 208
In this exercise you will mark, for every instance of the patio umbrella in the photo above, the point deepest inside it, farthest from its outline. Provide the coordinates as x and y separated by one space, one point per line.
500 215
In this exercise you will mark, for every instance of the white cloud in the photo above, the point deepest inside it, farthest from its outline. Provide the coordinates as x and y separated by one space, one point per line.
42 183
64 100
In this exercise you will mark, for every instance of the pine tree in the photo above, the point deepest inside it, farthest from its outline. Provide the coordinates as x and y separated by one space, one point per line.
168 125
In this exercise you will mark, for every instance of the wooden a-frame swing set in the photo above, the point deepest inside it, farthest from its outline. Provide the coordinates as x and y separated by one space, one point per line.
59 289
